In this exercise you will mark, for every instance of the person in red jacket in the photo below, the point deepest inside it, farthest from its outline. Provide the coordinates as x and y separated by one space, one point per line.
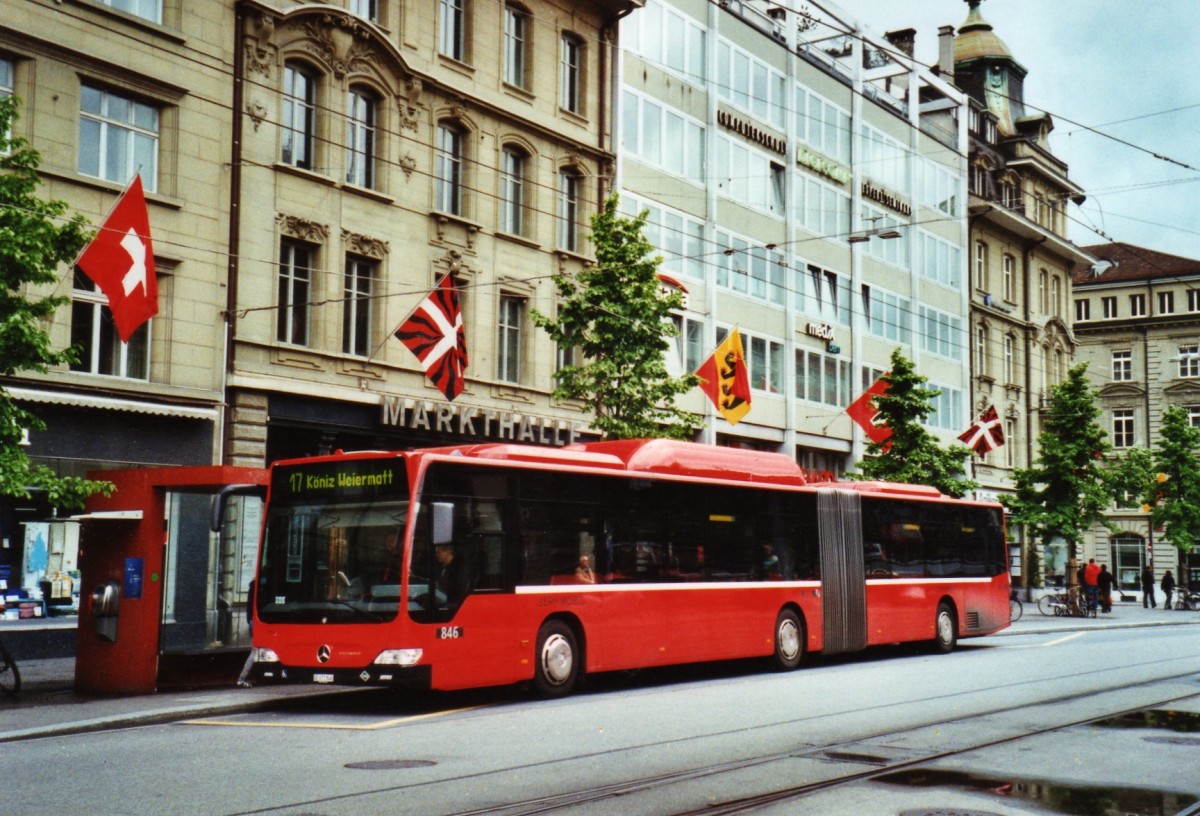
1091 577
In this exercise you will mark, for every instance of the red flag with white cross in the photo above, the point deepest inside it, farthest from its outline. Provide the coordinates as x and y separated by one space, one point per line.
120 261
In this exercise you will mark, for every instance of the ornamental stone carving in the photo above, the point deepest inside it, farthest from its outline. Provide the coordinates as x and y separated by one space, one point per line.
302 228
365 245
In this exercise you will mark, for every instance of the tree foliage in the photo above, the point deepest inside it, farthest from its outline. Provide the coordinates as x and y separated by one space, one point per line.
614 316
912 454
36 237
1067 488
1173 491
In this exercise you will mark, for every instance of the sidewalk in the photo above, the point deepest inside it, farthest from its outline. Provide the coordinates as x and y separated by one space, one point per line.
49 706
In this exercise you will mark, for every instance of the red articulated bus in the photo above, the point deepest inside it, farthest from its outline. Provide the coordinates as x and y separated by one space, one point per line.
493 564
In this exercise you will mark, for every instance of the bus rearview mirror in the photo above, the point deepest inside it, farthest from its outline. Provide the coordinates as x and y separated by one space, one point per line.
443 523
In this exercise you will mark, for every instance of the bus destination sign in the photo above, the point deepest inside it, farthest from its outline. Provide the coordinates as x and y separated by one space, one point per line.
350 479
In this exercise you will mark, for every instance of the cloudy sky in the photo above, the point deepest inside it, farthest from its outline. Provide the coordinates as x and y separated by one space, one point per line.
1125 69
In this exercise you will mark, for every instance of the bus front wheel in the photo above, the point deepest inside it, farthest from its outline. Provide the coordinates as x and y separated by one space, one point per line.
789 640
945 629
557 655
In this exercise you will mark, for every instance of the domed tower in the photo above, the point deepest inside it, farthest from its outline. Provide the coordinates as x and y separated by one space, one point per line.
986 69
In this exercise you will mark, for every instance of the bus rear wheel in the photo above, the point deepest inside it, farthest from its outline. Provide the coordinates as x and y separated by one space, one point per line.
789 640
557 655
945 629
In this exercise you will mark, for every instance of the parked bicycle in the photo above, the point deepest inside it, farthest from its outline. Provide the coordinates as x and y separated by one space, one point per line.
10 676
1070 603
1015 608
1187 600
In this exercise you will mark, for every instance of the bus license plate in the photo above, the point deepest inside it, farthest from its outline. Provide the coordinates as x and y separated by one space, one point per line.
322 678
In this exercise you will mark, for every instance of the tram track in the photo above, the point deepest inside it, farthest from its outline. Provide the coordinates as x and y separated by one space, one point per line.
858 751
837 751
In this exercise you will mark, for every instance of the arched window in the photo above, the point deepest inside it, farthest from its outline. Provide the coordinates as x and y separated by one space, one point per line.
362 109
298 118
569 183
514 165
448 172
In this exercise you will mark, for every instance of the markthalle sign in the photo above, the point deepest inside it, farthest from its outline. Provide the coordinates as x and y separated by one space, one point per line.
453 419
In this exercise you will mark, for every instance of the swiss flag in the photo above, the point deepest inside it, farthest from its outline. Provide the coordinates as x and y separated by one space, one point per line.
434 332
120 260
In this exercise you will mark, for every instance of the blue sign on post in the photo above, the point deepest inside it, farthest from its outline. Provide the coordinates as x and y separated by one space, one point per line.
133 577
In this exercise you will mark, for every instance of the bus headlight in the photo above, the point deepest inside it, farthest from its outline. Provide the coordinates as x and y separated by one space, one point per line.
263 655
398 657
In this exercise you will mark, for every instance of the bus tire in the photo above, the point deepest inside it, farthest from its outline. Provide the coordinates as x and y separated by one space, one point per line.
789 640
945 629
556 660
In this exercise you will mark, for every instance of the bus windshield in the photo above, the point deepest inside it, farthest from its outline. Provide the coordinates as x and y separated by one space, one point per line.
332 544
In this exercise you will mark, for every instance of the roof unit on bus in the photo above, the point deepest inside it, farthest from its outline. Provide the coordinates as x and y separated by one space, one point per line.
895 488
668 456
536 454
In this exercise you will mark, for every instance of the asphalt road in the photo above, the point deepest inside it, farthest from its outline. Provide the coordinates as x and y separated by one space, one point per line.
1038 723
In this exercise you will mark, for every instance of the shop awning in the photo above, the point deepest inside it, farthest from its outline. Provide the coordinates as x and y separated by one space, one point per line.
80 400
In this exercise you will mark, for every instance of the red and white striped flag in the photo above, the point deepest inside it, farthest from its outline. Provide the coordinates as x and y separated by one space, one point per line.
434 332
986 434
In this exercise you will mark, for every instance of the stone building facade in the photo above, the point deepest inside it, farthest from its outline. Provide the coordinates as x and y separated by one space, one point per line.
1137 319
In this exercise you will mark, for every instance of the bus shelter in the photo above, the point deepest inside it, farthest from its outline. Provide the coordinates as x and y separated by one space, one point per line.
163 598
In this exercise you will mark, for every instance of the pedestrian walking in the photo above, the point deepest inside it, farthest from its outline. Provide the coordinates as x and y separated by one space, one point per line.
1168 587
1104 582
1148 601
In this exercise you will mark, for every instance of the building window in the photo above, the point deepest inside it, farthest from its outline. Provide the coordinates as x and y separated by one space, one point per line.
1193 300
1122 366
568 210
1193 415
942 333
508 340
1166 303
299 116
1056 296
95 335
448 172
1110 307
688 345
1189 360
295 282
1010 277
1083 309
360 138
513 164
1137 305
452 34
1060 366
1122 427
146 9
367 9
516 46
824 379
766 365
981 265
357 291
1010 359
1010 443
1044 291
118 137
571 73
981 350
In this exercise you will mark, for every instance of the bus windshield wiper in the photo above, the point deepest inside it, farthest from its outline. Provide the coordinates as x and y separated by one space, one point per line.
366 613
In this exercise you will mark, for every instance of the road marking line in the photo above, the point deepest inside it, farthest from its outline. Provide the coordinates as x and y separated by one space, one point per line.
372 727
1063 639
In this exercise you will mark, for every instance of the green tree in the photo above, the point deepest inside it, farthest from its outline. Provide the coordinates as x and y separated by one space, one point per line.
616 320
1174 490
912 454
36 238
1067 488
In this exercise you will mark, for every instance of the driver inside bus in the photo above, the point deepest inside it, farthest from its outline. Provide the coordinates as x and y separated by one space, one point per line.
450 579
